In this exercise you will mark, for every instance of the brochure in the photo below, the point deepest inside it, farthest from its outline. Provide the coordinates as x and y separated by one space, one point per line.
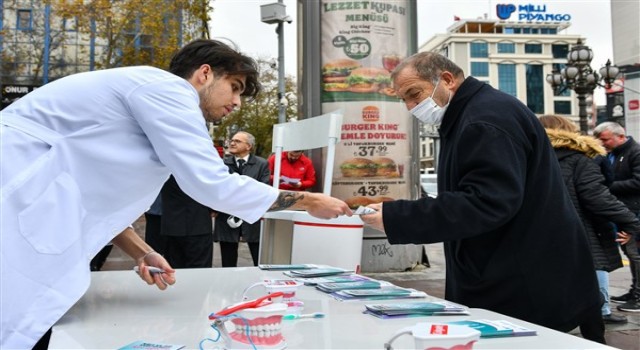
143 345
496 328
377 294
334 287
439 308
289 180
284 267
317 272
333 279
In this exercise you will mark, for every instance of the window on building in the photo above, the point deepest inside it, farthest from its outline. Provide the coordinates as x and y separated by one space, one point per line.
535 88
508 30
479 50
445 51
24 20
506 48
526 30
560 50
507 80
534 31
561 107
532 48
480 69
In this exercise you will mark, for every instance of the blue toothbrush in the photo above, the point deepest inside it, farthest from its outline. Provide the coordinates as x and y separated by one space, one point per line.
295 317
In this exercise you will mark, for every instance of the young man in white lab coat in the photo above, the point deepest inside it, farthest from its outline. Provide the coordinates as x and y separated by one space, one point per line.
85 155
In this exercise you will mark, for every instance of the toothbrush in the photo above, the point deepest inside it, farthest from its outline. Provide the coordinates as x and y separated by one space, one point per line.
295 317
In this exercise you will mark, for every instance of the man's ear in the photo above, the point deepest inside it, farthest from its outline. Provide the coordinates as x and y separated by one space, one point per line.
201 75
448 78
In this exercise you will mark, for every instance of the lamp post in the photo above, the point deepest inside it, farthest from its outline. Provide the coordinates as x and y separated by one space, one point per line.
581 78
270 14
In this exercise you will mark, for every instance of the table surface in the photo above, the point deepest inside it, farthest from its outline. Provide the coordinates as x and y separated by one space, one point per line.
119 309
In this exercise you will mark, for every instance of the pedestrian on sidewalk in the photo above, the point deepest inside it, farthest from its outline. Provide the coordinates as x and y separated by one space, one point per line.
596 206
624 154
229 230
513 241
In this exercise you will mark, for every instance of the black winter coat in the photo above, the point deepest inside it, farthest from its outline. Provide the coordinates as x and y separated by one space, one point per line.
182 215
626 172
513 241
256 168
590 196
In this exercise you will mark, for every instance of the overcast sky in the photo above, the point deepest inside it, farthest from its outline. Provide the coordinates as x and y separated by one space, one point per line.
239 21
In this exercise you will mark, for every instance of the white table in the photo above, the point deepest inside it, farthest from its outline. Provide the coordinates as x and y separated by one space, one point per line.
119 309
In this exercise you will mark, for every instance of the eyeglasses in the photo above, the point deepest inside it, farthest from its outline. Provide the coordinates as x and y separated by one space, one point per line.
236 141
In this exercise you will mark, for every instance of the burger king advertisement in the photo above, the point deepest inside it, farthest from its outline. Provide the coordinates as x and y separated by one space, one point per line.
362 42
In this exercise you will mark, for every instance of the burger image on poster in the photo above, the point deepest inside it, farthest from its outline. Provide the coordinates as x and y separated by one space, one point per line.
358 167
363 167
368 79
335 73
385 167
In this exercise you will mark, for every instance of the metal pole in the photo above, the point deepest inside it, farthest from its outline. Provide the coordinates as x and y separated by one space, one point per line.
281 100
582 113
47 44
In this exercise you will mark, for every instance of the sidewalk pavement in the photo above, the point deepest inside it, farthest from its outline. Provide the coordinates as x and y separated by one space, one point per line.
431 280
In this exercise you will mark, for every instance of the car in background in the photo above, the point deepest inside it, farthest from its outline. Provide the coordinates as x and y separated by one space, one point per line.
429 183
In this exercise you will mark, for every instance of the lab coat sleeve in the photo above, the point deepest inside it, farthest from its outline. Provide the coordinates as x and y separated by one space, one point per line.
169 114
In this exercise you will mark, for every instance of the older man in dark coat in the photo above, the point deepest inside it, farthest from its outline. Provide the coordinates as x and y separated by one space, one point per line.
230 231
513 241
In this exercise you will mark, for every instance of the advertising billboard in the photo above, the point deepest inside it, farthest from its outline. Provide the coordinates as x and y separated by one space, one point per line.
361 43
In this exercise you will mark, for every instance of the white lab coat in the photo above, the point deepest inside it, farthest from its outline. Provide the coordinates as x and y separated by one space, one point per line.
82 157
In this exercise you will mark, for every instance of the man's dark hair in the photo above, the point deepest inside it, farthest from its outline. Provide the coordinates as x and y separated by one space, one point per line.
223 60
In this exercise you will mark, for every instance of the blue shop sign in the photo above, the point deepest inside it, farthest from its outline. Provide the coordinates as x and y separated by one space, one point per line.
530 13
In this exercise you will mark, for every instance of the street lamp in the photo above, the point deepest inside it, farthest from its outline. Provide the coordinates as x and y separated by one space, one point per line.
578 76
276 13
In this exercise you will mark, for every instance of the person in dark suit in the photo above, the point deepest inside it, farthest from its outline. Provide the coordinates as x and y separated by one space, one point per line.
186 227
513 241
229 231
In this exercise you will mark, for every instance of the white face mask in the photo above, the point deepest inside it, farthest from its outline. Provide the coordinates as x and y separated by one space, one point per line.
428 111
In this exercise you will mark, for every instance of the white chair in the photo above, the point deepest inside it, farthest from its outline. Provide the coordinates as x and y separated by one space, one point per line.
292 236
311 133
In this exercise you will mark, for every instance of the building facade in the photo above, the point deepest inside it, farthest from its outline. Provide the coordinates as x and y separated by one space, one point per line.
514 57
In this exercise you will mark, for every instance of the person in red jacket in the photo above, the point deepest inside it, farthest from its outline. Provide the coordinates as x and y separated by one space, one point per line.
296 171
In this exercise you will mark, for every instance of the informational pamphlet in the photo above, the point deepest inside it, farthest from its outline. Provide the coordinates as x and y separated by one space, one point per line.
496 328
317 272
284 267
378 294
433 308
334 287
144 345
333 279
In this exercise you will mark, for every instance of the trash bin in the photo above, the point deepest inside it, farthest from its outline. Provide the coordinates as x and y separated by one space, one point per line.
335 242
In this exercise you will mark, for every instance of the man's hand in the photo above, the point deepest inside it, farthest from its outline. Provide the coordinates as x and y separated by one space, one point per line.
162 280
374 220
326 207
317 204
623 238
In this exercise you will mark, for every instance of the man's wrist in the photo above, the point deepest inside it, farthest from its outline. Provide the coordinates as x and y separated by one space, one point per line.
141 259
